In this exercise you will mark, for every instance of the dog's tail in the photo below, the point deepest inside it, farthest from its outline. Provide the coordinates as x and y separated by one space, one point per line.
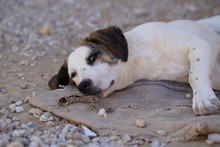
212 23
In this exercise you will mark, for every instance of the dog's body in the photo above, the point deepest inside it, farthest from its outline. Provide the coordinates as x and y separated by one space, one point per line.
183 51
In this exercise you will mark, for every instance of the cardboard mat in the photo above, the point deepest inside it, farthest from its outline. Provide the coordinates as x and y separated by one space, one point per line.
162 104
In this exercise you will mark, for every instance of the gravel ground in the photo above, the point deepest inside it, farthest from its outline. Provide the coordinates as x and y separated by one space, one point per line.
35 38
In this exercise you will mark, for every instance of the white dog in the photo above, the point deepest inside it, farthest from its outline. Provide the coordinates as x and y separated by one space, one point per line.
184 51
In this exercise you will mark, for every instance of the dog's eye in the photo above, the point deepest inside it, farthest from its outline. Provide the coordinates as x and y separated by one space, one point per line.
73 74
92 58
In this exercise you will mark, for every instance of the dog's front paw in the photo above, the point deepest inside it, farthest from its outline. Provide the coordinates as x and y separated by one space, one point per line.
205 106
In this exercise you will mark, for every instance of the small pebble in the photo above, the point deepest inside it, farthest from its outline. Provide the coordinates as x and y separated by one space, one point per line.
127 138
10 101
55 61
209 142
18 103
18 133
41 74
8 121
71 145
50 118
35 112
26 99
73 135
140 123
32 64
19 109
88 132
102 112
114 138
31 125
85 139
14 118
50 123
43 118
34 94
213 138
24 86
4 111
189 95
12 107
161 132
25 63
15 144
45 31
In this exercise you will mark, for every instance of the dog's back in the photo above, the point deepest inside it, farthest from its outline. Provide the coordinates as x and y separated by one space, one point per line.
213 23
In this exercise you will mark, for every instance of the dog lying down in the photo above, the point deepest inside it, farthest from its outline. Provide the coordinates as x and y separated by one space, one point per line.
184 51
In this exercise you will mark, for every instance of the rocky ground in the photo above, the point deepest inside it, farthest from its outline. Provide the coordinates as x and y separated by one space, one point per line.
36 37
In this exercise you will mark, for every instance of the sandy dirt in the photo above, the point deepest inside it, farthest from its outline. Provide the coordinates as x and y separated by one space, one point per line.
36 36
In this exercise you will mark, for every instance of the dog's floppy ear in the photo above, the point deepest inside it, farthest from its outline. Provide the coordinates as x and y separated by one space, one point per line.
61 78
111 37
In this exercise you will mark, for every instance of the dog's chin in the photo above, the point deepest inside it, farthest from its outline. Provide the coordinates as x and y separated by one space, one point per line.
109 90
94 91
102 92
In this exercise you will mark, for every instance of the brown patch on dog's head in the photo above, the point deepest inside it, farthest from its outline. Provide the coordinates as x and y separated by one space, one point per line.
112 38
61 78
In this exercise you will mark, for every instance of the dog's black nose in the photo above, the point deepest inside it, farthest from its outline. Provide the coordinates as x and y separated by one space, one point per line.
85 86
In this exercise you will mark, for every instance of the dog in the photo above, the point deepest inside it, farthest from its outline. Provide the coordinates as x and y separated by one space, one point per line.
182 50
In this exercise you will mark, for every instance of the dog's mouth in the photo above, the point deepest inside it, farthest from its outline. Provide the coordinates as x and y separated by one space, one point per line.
96 90
104 90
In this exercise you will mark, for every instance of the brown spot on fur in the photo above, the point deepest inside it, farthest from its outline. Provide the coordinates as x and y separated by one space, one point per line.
61 78
112 38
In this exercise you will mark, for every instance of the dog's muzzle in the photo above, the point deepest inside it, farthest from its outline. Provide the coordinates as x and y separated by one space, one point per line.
87 87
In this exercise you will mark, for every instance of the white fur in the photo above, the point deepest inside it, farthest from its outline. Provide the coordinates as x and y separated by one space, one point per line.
184 51
99 73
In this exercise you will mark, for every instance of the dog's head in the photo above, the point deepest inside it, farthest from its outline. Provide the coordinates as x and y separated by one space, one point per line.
91 67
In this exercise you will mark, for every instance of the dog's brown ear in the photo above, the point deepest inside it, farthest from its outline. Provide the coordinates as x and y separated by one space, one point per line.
61 78
111 37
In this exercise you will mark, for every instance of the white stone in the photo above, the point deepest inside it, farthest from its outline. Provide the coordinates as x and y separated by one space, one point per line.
47 114
50 123
50 118
102 112
34 94
26 99
161 132
12 107
127 138
35 111
88 132
15 144
35 142
43 118
18 133
189 95
19 109
209 142
215 138
140 123
14 118
18 103
85 138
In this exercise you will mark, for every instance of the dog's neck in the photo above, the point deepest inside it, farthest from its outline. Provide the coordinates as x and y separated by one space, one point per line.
143 63
130 71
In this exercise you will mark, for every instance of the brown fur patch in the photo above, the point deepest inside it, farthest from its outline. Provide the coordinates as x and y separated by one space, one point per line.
61 77
112 38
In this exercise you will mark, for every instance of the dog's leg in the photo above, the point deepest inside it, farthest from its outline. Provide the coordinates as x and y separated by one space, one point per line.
202 59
